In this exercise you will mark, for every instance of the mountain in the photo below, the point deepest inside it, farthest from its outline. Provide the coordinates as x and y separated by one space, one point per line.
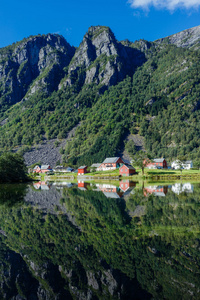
104 98
101 59
36 63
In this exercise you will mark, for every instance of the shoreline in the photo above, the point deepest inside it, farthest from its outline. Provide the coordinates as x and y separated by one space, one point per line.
152 176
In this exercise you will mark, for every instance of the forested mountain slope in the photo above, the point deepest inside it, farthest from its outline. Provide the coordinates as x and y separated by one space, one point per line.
109 88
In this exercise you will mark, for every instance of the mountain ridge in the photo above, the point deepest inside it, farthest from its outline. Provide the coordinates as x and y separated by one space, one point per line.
111 88
189 38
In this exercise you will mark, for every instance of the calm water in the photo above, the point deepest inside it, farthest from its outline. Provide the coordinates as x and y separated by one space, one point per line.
100 241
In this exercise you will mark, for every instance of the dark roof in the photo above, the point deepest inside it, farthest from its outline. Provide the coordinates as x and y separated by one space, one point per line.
111 195
70 169
111 160
95 165
37 166
128 166
157 160
82 167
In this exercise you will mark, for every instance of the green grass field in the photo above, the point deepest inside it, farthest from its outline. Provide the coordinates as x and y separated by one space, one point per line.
154 175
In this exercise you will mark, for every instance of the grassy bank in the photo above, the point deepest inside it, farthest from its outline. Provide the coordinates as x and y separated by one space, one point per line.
154 175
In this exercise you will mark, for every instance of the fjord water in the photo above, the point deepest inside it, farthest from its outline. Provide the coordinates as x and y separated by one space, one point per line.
100 241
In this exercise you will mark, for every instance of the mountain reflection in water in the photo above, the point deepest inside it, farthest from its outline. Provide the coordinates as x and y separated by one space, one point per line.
100 241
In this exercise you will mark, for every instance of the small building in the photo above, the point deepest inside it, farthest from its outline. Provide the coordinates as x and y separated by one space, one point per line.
188 164
110 163
177 164
126 170
82 170
37 169
151 166
94 167
45 168
61 169
157 163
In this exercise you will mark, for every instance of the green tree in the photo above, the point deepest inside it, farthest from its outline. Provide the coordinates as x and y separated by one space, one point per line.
141 159
12 168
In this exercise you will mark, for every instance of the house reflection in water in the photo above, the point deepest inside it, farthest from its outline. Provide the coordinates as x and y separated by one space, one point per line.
63 184
127 186
178 188
160 191
109 190
82 185
41 185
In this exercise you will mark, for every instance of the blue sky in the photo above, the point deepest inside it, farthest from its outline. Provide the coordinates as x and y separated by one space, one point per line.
128 19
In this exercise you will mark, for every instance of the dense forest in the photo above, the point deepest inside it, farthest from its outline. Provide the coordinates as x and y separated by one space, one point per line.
158 101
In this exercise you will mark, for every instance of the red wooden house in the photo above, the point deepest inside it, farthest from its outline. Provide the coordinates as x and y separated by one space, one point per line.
110 163
126 170
37 169
82 170
158 163
42 169
45 168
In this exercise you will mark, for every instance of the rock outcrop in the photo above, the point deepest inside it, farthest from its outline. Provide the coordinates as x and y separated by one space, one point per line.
47 62
101 59
189 38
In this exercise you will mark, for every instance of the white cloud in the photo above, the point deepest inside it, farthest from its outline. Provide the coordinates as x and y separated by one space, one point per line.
167 4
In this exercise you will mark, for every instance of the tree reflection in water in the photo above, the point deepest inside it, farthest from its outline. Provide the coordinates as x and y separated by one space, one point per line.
99 247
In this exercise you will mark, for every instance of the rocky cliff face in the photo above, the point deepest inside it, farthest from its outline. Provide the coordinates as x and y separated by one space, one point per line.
47 62
40 62
101 59
189 38
33 64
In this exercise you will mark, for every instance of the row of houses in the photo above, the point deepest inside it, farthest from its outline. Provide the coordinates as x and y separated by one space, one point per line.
109 164
161 163
113 163
47 168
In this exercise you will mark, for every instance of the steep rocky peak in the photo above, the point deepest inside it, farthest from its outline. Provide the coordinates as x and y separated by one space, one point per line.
95 59
98 40
103 39
30 48
40 57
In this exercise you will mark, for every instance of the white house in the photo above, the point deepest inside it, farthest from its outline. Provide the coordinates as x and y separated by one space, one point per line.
188 164
177 164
